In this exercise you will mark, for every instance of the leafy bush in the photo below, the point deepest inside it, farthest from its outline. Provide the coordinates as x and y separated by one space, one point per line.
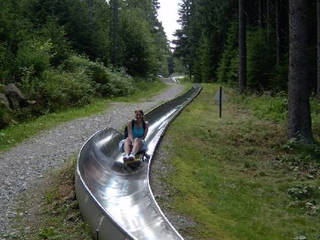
99 73
107 81
95 70
35 56
75 63
55 89
120 84
66 88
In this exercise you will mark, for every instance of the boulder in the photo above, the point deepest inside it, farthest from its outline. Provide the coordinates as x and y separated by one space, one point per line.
4 101
5 111
15 96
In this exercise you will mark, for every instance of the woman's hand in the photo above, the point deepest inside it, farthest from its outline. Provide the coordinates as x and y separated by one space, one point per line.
130 139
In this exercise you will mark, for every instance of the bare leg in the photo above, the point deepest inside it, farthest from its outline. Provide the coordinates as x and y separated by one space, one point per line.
137 145
127 146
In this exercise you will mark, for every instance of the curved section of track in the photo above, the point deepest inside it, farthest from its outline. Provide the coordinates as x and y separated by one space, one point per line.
115 200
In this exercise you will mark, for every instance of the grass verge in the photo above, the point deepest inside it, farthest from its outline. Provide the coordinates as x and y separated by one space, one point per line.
239 176
15 134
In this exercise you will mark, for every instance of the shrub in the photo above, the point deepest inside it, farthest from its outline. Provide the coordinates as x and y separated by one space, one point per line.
75 63
34 55
55 89
108 82
95 70
61 89
120 84
99 73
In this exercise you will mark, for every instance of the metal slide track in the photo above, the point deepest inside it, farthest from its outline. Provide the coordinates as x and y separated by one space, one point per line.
116 201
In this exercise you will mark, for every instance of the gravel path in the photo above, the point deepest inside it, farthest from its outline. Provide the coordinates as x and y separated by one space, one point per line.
29 161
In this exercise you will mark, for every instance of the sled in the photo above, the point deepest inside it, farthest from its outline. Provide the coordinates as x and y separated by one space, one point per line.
137 161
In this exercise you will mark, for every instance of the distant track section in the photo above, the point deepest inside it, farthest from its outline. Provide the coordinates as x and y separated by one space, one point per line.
115 200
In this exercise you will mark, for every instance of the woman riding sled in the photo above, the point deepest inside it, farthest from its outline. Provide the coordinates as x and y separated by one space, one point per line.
137 131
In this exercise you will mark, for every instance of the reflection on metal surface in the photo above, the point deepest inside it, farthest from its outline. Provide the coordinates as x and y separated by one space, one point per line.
117 202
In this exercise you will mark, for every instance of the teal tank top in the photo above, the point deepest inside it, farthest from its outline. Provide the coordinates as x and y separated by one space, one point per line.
137 133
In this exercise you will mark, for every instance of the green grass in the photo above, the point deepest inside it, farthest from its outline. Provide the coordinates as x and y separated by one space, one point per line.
239 176
274 108
15 134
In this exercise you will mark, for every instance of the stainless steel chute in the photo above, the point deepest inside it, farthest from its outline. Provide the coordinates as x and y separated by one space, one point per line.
116 201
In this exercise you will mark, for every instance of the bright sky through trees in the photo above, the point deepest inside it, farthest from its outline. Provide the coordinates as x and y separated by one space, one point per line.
168 15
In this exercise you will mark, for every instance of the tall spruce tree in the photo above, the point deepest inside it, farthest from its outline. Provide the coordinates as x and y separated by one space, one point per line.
318 48
299 118
281 28
242 47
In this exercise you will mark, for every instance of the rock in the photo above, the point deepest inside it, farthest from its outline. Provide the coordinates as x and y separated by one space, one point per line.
310 176
70 196
300 237
15 96
31 102
4 101
12 88
5 111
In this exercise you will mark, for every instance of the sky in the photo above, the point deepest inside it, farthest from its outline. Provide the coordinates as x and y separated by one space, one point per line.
168 15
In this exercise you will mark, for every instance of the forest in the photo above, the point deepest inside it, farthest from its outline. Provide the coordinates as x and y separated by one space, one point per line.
57 53
263 46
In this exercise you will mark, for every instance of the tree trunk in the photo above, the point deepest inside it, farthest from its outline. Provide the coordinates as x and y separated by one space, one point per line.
281 29
299 119
242 47
268 18
318 46
90 4
115 33
261 14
